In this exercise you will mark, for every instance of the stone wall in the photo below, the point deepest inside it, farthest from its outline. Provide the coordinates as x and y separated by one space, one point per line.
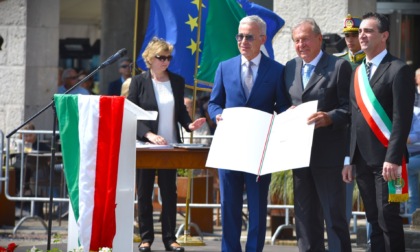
329 15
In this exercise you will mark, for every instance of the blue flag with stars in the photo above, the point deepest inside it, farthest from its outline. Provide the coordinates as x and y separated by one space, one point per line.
176 21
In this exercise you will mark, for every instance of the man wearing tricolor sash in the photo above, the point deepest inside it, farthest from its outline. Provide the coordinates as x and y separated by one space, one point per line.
382 97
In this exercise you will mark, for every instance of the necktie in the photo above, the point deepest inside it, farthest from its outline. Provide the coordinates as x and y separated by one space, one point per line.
248 80
307 70
368 65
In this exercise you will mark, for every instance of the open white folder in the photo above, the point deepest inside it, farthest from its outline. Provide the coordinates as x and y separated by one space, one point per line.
257 142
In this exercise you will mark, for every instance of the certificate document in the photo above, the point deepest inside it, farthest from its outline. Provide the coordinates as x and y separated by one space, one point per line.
257 142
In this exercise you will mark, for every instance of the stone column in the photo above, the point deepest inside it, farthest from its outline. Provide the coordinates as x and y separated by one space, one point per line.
117 33
12 63
41 73
28 61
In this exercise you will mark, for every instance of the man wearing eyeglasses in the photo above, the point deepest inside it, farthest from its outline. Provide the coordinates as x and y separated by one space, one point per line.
124 70
248 80
319 191
70 78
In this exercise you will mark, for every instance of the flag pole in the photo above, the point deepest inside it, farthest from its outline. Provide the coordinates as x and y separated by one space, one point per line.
187 239
136 19
136 237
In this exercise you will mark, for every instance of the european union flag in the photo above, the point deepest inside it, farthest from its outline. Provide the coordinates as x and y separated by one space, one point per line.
176 21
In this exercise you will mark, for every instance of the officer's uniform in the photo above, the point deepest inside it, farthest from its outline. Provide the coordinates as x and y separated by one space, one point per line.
351 25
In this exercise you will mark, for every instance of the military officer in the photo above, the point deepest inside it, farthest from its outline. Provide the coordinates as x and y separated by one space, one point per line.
354 53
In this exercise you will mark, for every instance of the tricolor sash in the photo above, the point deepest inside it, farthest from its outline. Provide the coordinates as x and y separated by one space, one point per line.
381 126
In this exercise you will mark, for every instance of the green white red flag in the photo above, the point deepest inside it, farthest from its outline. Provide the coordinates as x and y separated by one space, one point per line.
90 135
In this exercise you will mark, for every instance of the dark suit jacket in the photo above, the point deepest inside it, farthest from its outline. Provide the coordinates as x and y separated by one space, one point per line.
141 92
114 87
266 94
329 84
393 86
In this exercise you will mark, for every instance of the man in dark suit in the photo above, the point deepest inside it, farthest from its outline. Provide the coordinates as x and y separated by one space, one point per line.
355 56
381 93
319 190
248 80
124 69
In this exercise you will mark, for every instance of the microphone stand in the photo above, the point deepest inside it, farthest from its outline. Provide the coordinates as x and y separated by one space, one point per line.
108 62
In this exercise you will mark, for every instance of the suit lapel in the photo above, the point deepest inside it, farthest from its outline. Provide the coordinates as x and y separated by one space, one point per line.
382 68
298 74
150 90
318 72
237 66
175 91
262 69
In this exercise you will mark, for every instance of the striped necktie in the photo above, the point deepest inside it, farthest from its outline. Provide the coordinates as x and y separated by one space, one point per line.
368 65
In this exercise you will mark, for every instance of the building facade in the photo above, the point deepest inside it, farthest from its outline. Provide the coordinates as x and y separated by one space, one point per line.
32 30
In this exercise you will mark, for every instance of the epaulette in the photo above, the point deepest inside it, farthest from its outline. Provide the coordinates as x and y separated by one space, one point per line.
342 54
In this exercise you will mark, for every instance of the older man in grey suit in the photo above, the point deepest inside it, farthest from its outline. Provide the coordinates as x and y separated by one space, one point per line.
319 189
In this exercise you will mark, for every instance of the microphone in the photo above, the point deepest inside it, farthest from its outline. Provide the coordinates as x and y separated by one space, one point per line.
114 58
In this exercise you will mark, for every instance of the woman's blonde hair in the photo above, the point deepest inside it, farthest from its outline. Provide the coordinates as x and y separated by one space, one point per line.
155 47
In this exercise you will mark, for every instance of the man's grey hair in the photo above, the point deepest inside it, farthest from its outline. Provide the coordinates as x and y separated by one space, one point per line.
254 19
311 21
418 71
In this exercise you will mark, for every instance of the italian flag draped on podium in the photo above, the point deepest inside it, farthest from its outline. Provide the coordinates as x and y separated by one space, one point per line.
90 134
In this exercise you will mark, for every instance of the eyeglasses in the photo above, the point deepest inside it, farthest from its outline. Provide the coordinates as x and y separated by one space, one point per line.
163 58
124 66
249 38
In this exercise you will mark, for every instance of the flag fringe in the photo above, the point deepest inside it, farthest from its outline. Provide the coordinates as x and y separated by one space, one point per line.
398 197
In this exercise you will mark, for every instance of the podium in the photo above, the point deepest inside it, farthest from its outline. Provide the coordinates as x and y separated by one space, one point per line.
78 229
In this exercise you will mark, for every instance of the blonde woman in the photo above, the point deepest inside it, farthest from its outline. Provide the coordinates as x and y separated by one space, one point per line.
159 90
